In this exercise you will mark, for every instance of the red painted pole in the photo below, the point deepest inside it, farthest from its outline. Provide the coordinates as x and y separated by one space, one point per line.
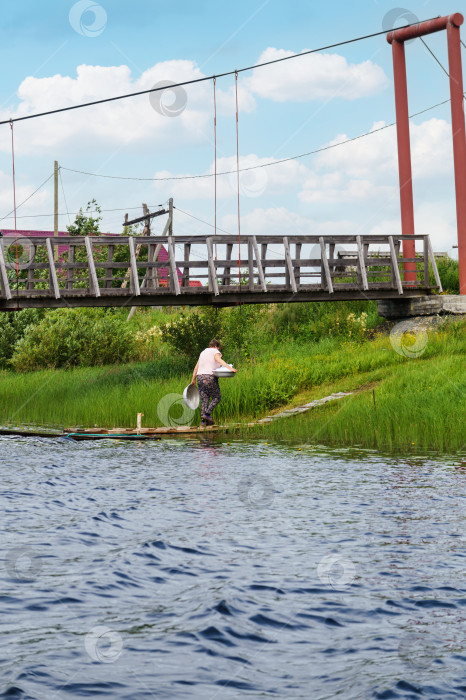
423 28
459 140
404 157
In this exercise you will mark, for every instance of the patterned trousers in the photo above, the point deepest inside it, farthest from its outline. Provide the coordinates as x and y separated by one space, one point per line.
209 390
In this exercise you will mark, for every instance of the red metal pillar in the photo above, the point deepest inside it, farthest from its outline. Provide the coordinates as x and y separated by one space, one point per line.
404 157
451 23
459 138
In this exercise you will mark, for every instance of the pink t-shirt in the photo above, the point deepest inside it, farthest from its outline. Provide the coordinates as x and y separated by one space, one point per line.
207 363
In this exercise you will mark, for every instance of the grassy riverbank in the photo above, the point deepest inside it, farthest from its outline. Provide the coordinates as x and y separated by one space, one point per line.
420 402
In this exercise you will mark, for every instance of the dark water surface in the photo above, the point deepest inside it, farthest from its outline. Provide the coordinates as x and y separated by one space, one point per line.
186 569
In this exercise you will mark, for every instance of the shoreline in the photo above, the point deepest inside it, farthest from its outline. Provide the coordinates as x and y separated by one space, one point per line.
419 401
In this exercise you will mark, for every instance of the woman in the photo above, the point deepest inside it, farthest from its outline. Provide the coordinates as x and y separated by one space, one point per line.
209 359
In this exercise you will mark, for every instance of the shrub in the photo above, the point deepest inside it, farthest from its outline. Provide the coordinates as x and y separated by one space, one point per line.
13 325
191 333
244 330
74 337
448 270
313 321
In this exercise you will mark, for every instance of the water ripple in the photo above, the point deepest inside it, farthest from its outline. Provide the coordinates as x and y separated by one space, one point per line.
162 570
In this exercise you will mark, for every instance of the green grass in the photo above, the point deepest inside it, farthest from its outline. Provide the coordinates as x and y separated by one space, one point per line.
420 403
419 406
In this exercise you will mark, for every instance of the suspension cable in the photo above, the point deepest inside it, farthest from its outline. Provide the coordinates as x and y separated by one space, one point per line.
237 180
215 163
208 77
14 208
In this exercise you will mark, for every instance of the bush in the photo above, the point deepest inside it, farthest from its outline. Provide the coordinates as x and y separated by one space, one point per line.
74 337
448 270
13 325
313 321
244 330
191 333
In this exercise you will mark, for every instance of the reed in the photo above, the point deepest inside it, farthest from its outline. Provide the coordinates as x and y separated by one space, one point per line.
418 407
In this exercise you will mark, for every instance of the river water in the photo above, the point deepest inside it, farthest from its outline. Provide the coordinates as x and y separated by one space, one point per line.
207 569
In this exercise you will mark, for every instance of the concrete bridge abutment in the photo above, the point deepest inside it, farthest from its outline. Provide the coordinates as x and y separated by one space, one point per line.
422 306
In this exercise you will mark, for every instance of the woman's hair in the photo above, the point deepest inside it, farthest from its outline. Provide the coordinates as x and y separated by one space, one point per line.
215 344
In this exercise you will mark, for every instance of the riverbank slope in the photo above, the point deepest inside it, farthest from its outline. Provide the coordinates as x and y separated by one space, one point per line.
410 392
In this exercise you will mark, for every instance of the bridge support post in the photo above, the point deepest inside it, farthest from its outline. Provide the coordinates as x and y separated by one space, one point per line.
459 143
404 157
451 23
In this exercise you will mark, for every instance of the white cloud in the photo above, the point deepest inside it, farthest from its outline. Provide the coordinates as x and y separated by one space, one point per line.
130 122
375 156
367 168
335 187
318 76
282 221
137 121
267 181
22 192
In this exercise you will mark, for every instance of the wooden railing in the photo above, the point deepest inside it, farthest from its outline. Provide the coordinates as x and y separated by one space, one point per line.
96 270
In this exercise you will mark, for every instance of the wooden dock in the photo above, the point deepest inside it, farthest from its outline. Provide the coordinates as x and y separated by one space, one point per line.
126 270
159 433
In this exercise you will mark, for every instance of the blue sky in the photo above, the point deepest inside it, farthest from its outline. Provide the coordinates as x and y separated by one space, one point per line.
295 108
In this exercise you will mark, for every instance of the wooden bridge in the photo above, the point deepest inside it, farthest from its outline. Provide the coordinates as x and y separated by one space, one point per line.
208 270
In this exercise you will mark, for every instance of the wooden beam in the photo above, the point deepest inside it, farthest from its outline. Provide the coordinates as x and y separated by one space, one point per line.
109 271
32 259
250 266
434 265
185 277
174 282
93 281
227 268
52 269
289 265
259 264
202 297
70 270
213 284
395 268
362 263
134 268
146 216
297 271
326 268
6 292
426 261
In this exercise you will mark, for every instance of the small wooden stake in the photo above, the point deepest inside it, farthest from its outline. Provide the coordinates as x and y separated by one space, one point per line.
138 424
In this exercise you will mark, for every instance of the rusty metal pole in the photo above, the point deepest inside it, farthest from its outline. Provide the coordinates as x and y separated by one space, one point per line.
451 23
459 139
404 157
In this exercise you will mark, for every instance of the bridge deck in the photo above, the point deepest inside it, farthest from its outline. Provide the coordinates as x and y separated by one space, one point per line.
214 270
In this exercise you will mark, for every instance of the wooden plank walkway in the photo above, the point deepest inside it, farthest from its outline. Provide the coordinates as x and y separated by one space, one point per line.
158 433
207 270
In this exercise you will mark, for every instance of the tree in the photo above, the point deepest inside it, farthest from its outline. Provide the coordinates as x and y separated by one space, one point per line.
85 224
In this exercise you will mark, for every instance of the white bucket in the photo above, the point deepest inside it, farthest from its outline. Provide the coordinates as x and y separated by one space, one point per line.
191 396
